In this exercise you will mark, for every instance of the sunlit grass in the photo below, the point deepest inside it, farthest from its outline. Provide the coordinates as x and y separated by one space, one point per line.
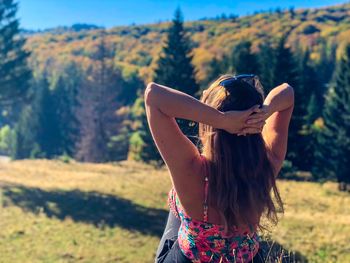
51 211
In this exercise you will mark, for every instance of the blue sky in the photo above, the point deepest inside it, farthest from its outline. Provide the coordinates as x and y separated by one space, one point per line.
40 14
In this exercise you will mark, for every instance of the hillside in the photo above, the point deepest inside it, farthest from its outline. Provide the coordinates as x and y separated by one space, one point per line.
136 48
57 212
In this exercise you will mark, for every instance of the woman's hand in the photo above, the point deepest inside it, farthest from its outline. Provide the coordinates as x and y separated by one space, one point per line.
257 120
245 122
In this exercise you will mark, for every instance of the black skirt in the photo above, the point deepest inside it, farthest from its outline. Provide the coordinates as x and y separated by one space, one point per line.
168 249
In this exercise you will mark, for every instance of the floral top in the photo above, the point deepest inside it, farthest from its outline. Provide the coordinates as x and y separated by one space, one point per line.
202 241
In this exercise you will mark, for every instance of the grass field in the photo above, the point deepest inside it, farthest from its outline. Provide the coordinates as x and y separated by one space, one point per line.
52 211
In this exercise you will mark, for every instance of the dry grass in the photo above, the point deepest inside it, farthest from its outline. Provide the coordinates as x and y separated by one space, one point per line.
56 212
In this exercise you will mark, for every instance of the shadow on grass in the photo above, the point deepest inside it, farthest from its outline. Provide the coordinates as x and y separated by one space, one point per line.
273 252
88 207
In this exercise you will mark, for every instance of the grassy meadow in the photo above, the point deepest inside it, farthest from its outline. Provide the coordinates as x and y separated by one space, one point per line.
51 211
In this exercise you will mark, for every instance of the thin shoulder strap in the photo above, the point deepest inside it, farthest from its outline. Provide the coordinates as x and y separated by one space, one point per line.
205 206
206 189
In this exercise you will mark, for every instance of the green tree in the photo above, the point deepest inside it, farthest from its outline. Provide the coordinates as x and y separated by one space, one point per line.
142 147
14 72
313 110
286 70
334 140
267 60
24 140
314 81
36 134
175 67
132 84
243 60
307 80
6 137
309 108
118 145
326 64
215 69
48 134
325 68
313 91
65 93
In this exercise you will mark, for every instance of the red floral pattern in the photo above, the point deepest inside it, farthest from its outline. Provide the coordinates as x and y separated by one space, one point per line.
202 241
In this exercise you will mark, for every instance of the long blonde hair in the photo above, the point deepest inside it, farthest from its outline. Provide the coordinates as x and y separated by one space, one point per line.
240 174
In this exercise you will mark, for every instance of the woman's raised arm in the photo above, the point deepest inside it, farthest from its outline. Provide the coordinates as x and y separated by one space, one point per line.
164 104
279 103
177 104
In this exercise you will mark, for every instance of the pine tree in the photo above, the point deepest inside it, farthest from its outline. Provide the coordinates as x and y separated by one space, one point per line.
24 145
267 60
326 64
286 70
37 131
120 141
214 71
292 13
6 140
48 134
131 85
243 60
14 73
334 140
318 77
142 146
325 70
313 110
309 108
175 67
65 92
216 68
308 80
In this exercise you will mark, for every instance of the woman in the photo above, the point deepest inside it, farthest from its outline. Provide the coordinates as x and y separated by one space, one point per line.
221 190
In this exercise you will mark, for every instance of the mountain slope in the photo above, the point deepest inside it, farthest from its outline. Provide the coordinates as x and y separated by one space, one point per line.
136 48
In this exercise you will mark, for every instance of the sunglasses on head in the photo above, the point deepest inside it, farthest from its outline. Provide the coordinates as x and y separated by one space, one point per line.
251 79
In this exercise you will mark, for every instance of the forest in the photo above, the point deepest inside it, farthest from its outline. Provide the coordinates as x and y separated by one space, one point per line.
77 92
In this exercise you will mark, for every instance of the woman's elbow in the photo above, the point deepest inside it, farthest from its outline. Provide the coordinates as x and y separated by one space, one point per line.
290 91
149 92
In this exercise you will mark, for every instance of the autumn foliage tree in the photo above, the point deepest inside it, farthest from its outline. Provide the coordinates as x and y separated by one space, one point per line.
98 99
